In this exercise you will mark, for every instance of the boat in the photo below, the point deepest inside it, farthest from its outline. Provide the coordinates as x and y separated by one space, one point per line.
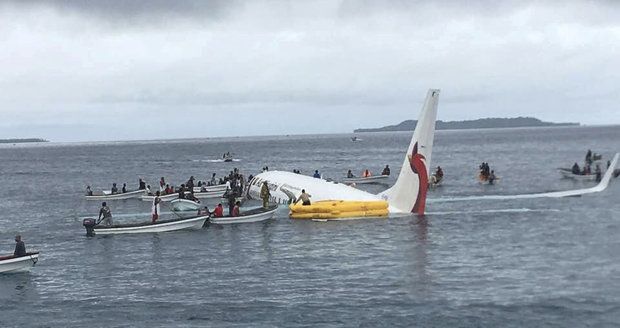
366 180
220 187
433 181
254 215
184 205
338 209
190 223
356 139
210 194
10 263
568 174
106 195
163 198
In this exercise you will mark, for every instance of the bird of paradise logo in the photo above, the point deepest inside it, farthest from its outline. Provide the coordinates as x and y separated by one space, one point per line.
416 161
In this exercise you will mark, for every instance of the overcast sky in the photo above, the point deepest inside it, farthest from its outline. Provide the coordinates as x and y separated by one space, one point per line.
127 69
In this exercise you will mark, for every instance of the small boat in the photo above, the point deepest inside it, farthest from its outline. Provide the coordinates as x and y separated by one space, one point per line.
220 187
255 215
184 205
356 139
366 180
209 194
163 198
568 174
190 223
10 263
106 195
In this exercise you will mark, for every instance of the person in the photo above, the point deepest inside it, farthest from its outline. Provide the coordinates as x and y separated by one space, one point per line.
218 211
305 198
141 184
366 174
575 169
439 173
20 247
265 194
124 189
386 170
317 174
598 173
231 198
350 174
236 209
168 189
155 209
114 189
589 157
162 184
190 183
213 180
182 191
148 190
492 177
89 192
105 214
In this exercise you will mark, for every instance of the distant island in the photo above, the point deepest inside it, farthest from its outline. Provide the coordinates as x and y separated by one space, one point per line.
483 123
22 140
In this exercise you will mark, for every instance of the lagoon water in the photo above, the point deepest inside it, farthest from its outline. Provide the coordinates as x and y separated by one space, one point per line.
510 263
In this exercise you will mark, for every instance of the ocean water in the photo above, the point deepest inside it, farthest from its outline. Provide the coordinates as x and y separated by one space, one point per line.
510 263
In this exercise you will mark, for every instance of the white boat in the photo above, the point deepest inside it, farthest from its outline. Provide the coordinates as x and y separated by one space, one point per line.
568 174
184 205
191 223
105 195
255 215
163 198
24 263
356 139
220 187
209 194
366 180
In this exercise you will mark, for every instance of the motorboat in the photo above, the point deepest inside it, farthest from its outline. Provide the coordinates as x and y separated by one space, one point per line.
184 205
189 223
163 198
220 187
568 174
209 194
254 215
11 263
366 180
107 195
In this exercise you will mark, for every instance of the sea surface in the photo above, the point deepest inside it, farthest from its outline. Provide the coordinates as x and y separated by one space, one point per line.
509 263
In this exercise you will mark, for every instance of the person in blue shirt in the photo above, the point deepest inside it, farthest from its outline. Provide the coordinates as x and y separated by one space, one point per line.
317 174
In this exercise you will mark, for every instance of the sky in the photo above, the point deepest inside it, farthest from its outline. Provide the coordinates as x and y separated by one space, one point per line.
132 70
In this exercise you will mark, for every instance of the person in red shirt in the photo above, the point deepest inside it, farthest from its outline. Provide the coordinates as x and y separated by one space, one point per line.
218 211
235 211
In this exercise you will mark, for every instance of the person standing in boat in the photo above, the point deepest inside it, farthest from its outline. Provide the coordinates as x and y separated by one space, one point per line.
162 184
182 192
89 192
366 174
598 173
141 184
155 208
589 157
575 169
350 174
305 198
190 183
386 170
20 247
213 180
105 214
317 174
265 194
124 189
114 189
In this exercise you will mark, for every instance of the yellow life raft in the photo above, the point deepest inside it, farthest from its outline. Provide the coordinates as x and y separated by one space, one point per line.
333 209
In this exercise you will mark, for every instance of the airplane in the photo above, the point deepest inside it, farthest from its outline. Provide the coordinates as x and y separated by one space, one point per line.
407 195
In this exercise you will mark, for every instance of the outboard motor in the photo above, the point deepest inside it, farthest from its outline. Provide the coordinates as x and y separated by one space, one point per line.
89 224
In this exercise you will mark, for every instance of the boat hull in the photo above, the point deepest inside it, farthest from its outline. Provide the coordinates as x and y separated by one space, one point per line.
570 175
163 198
184 205
119 196
193 223
209 194
9 264
246 218
220 187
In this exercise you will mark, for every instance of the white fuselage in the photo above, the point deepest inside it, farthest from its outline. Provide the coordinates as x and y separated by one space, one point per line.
283 186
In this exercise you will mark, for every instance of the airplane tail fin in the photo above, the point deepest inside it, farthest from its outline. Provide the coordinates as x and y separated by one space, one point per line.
409 192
